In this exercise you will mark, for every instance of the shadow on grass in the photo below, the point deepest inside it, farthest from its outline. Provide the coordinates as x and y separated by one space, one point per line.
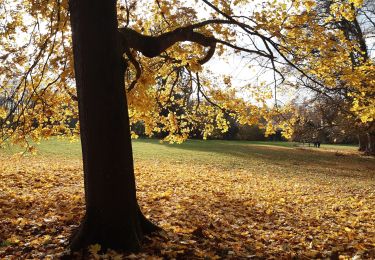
267 151
290 161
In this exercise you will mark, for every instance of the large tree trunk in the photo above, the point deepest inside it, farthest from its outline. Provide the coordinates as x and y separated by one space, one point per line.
113 218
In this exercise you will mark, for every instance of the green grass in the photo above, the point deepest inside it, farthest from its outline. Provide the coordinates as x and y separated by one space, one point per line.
241 154
149 148
224 154
51 147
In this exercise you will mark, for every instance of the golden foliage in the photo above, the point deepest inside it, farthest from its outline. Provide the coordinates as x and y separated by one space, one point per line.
38 82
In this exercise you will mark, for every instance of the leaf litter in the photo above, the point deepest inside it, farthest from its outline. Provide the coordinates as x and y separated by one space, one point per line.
245 209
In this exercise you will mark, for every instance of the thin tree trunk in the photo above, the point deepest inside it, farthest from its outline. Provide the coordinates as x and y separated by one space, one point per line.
363 142
371 143
113 218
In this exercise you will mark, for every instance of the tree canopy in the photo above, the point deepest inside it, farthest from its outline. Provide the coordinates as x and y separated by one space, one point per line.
167 45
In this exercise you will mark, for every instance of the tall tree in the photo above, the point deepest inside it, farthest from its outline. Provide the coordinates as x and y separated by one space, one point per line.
113 88
113 218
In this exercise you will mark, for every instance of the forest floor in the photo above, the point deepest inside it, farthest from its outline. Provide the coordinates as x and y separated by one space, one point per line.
214 200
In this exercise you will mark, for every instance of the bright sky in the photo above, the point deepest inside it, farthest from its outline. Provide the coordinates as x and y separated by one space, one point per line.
242 69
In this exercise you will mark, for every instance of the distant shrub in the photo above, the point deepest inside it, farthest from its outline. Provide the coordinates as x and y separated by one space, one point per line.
250 133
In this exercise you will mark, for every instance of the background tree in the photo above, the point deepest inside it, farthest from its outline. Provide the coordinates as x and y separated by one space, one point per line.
321 119
335 60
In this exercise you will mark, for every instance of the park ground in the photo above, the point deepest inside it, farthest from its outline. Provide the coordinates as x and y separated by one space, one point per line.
214 200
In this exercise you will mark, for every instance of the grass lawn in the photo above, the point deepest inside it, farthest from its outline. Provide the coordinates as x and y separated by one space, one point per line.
214 199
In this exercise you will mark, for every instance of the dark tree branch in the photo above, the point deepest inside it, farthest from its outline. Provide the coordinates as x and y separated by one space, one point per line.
152 46
136 66
258 52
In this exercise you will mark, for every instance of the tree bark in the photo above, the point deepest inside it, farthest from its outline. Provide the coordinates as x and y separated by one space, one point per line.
113 218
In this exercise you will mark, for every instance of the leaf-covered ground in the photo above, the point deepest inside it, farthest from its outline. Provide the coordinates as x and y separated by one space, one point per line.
214 199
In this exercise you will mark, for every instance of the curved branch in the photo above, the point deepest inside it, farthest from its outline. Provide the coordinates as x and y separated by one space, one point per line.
152 46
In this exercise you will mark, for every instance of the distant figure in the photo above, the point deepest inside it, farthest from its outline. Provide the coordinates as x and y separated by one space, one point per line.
317 144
